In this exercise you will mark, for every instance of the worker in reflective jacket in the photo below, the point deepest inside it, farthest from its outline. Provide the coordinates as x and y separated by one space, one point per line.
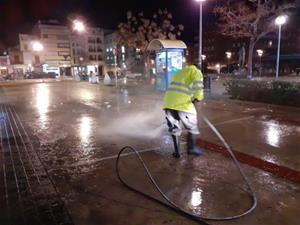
185 89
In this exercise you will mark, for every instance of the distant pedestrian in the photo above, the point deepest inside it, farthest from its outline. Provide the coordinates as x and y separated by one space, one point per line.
107 79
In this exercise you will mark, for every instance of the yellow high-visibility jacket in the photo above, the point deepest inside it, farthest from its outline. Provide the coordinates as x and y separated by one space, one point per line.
185 86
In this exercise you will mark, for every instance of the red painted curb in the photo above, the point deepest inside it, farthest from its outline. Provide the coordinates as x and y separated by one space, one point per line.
280 171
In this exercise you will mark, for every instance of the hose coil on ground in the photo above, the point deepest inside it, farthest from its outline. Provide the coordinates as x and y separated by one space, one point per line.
172 205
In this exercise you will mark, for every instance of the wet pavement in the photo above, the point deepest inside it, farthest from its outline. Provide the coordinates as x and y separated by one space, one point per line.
59 142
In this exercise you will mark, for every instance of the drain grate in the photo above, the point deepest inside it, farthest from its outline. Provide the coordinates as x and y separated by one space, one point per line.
27 195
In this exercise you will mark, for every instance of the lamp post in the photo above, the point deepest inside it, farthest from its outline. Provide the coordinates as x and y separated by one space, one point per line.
65 66
218 67
260 54
200 33
37 47
79 27
81 59
203 57
228 56
115 63
280 20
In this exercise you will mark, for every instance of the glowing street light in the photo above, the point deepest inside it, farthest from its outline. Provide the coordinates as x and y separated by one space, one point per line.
203 57
260 54
218 67
228 56
280 20
78 26
37 46
200 33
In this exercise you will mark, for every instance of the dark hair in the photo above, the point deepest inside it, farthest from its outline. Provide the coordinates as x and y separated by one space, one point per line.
196 64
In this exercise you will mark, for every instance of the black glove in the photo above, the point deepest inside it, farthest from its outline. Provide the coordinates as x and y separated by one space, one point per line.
195 101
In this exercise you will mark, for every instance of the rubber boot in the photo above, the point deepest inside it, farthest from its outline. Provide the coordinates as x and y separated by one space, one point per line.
176 143
192 148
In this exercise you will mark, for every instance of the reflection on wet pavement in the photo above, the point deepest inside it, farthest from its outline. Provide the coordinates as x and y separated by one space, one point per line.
85 130
42 104
276 132
273 134
79 128
271 158
196 198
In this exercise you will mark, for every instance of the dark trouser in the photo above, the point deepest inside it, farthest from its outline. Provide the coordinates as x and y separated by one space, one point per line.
190 123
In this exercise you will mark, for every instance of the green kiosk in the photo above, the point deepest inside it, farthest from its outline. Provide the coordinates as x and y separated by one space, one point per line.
169 56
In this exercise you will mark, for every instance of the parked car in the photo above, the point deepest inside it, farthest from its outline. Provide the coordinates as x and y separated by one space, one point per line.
232 67
9 76
40 75
52 75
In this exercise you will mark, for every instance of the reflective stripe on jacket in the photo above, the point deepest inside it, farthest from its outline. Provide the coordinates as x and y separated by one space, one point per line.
185 86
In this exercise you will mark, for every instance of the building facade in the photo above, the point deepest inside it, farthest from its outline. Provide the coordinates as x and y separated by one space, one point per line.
56 53
121 57
28 57
4 64
16 58
117 57
62 51
110 48
87 52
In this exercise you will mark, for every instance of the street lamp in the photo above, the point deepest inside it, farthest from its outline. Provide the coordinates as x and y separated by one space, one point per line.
37 46
218 67
200 33
115 62
280 20
203 57
78 26
228 56
260 54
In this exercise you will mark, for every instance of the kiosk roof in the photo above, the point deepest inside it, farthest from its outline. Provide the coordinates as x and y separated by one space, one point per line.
160 44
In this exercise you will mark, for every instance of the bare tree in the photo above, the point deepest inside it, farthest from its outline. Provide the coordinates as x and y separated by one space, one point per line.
137 32
252 19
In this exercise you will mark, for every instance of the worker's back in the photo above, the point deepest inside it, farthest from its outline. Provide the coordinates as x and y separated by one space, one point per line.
185 85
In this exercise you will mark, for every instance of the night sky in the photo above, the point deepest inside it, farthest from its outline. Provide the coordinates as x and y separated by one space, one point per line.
18 16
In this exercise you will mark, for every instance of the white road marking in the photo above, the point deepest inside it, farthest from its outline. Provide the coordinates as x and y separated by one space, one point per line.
230 121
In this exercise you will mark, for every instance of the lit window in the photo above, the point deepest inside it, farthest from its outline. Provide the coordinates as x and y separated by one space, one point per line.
123 49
